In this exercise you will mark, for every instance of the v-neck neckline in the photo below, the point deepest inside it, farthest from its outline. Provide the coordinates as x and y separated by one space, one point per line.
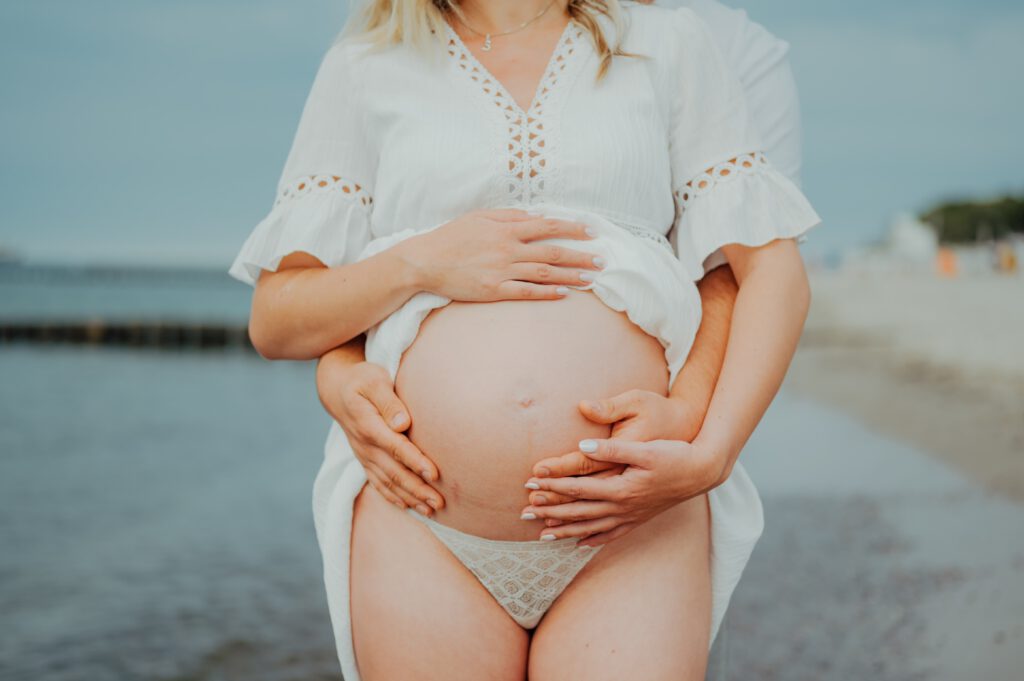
539 90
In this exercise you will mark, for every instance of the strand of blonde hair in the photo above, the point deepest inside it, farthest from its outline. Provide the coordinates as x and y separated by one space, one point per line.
382 23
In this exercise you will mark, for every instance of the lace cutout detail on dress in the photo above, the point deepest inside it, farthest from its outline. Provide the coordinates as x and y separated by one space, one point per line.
527 143
723 172
524 577
323 183
648 234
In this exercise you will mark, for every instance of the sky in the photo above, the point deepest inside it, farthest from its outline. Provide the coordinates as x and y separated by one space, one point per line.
154 131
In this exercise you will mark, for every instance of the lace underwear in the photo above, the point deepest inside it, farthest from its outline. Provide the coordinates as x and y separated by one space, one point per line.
524 577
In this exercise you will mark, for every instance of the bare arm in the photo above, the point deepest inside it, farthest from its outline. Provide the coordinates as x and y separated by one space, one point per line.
295 310
695 382
771 307
303 309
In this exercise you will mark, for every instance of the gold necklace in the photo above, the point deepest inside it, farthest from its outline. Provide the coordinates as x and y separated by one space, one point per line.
488 36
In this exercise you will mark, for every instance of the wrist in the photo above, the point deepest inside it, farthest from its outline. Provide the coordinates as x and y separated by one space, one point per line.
330 371
415 273
718 457
687 416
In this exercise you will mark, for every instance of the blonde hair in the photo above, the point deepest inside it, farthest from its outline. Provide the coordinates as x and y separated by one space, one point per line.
381 23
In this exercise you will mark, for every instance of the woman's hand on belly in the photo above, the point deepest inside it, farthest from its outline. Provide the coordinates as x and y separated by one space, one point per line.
361 398
658 475
490 255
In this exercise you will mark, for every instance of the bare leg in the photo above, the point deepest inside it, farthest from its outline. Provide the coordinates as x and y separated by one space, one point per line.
417 612
641 609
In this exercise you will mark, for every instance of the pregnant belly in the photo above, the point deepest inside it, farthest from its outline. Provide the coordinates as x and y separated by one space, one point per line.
493 388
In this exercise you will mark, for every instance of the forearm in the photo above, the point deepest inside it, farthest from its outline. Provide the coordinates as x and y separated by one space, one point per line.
303 312
767 321
695 382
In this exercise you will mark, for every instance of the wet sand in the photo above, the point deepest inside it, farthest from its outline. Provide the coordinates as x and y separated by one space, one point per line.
878 561
939 363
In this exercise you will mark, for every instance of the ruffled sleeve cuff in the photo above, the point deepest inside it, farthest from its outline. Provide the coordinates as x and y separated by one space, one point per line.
324 216
744 201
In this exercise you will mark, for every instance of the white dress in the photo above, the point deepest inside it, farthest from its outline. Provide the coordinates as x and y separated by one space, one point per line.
661 152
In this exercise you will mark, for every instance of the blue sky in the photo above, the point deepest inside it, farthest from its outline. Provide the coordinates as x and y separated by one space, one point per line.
154 130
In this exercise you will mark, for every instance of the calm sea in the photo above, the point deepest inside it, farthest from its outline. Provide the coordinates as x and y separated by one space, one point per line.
121 294
155 505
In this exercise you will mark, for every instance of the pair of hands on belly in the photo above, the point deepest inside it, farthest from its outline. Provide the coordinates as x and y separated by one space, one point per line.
610 486
645 467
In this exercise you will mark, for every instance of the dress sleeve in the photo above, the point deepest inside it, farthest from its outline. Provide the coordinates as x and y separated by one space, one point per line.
324 197
726 189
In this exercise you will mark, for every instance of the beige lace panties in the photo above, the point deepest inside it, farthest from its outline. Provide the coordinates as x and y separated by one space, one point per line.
524 577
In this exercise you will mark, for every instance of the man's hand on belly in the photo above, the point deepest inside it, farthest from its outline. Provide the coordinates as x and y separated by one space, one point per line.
361 397
638 415
565 483
658 475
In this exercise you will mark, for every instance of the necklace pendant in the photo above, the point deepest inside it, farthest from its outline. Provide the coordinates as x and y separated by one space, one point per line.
487 43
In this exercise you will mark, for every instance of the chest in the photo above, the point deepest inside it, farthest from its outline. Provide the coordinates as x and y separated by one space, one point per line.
461 136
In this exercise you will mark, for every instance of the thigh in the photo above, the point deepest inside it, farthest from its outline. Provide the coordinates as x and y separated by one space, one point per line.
417 612
640 609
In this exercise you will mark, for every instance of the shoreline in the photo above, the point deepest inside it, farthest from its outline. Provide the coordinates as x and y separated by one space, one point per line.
883 349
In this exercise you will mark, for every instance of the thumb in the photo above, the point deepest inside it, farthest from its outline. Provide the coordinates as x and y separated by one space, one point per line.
381 395
628 452
610 409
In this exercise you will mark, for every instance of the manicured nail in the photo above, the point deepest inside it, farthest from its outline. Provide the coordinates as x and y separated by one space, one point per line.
588 445
397 419
562 290
599 261
540 500
528 516
547 537
423 509
542 472
590 231
586 276
531 485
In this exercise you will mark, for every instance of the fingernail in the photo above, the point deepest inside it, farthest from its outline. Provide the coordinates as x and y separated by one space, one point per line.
590 231
547 537
542 472
531 485
593 406
528 516
586 276
562 290
433 503
540 500
425 474
397 419
588 445
422 509
599 261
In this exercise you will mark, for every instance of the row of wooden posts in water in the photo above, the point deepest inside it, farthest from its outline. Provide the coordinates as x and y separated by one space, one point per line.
128 333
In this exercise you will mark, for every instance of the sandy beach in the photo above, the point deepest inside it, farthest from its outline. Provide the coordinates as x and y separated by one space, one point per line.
938 363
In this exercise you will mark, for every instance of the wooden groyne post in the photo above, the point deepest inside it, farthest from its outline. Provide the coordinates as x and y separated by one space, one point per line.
128 333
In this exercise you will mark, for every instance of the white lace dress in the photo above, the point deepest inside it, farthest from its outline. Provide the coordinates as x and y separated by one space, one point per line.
391 144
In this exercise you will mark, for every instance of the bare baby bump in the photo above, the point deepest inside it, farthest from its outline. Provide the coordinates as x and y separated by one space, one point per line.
493 388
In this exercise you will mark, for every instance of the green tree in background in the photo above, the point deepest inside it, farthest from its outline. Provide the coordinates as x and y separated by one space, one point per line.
970 221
